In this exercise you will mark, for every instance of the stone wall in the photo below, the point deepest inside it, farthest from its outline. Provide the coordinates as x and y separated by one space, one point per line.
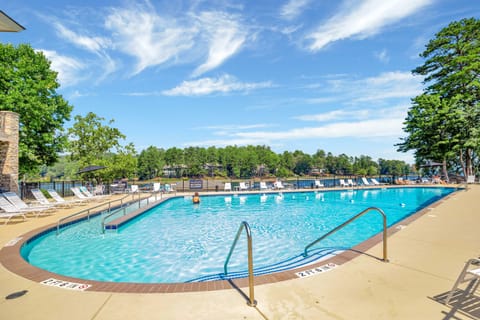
9 125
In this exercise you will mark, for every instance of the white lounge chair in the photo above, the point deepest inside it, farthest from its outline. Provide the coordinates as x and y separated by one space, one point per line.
342 183
365 181
133 188
168 188
278 185
62 202
243 186
40 197
351 183
10 210
14 199
9 207
156 187
470 273
263 185
318 184
90 195
375 181
228 186
470 179
80 195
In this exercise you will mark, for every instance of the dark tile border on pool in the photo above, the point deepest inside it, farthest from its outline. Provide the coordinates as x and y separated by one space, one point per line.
11 259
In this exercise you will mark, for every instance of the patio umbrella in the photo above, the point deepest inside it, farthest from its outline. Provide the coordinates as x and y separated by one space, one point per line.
90 169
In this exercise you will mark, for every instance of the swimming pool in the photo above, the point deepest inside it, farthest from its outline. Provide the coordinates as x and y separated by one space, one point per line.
179 242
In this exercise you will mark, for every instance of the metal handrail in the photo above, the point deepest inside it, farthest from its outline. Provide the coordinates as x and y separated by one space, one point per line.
109 203
126 205
244 225
305 253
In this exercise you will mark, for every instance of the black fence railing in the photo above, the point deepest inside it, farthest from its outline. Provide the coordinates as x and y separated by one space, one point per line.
202 185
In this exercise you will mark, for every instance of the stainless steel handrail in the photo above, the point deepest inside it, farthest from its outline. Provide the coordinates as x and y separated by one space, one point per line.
87 211
124 208
305 253
244 225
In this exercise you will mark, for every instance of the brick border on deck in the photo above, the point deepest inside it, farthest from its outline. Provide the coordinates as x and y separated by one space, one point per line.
11 259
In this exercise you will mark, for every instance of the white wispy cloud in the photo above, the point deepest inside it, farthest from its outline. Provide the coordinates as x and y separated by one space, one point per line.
152 40
70 70
335 115
205 86
93 44
225 36
293 8
362 19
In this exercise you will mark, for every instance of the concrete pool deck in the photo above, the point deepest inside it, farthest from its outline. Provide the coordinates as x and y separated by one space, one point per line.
425 257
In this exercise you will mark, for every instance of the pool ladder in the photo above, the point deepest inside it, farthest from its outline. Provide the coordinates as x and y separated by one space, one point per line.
244 226
384 216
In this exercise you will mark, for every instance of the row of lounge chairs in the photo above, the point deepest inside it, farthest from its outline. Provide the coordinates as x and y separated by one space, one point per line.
13 206
365 182
242 186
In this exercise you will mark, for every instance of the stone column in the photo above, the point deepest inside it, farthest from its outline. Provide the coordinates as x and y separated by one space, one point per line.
9 126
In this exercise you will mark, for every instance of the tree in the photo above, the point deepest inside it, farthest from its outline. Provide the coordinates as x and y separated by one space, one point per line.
94 143
150 163
28 87
452 72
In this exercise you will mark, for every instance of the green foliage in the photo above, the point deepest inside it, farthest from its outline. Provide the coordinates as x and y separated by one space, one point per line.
444 122
94 143
28 86
150 163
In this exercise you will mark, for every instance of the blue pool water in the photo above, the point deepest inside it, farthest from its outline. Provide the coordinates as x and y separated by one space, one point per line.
179 242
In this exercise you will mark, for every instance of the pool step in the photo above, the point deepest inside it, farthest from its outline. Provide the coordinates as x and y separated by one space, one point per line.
288 264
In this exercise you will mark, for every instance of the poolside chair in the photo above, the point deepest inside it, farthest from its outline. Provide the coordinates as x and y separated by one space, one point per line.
342 183
470 179
243 186
40 197
365 182
351 183
10 210
228 186
62 202
169 188
278 185
156 187
468 274
375 182
90 195
133 189
99 190
80 195
263 185
318 184
17 205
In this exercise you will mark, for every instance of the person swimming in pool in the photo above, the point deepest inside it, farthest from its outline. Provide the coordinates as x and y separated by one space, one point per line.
196 198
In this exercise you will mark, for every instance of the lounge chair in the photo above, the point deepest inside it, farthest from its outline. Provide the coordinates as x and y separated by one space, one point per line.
80 195
9 201
90 195
243 186
263 185
342 183
470 179
169 188
365 182
278 185
10 210
99 190
40 197
469 273
156 187
228 186
318 184
351 183
62 202
375 181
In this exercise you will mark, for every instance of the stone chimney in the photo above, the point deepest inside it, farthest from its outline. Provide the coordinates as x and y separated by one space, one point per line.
9 125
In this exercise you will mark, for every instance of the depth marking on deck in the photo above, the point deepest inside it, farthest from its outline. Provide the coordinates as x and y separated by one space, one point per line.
66 284
315 271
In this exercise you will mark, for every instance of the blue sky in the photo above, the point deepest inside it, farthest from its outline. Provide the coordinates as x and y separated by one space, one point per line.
293 74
